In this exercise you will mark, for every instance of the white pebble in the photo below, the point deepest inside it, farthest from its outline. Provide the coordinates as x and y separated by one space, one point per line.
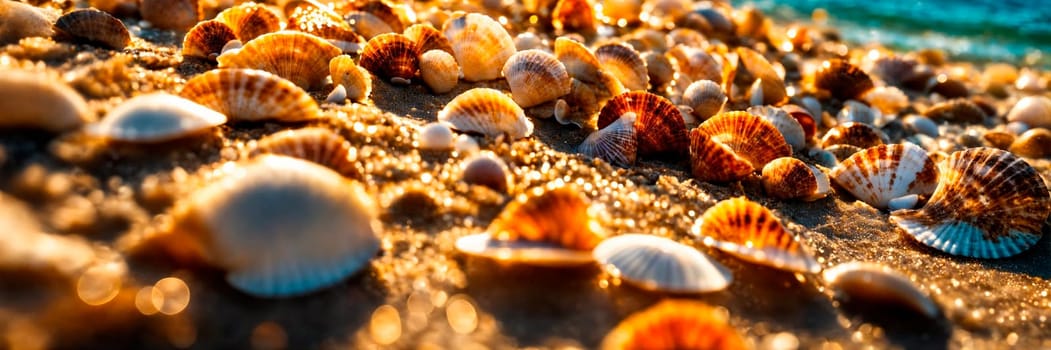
465 145
922 125
436 136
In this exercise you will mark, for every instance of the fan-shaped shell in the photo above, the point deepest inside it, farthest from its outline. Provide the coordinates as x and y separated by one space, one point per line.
624 63
705 98
675 324
660 264
439 71
659 68
576 16
579 61
879 174
749 231
206 40
37 101
615 144
487 111
487 170
790 178
989 204
1034 111
854 134
771 84
788 126
659 127
480 44
536 77
94 27
695 64
178 15
731 145
391 55
299 57
1035 143
251 95
250 20
957 111
355 79
156 117
842 79
315 144
428 38
875 284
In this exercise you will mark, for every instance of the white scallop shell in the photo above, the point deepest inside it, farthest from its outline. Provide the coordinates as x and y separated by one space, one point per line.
536 77
522 251
879 174
481 45
1034 111
615 143
660 264
786 124
156 117
487 111
871 282
439 71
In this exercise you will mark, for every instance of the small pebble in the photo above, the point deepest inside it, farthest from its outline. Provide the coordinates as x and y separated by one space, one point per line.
465 145
436 136
337 96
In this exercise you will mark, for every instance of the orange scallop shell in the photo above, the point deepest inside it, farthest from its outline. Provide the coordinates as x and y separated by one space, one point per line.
299 57
94 27
843 80
675 324
250 20
428 38
391 56
553 213
659 126
751 232
788 178
315 144
206 40
855 134
251 95
579 61
732 145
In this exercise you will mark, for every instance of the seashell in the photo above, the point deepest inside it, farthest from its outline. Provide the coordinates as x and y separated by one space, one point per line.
841 79
664 13
551 225
621 12
772 85
998 139
250 20
580 63
877 285
661 265
647 39
436 137
616 143
439 71
749 231
536 77
251 95
823 157
659 68
93 27
315 144
749 22
789 127
687 37
577 16
280 226
948 88
857 112
20 20
1029 81
731 145
299 57
894 70
528 41
321 22
659 127
337 96
367 24
156 117
391 56
428 38
705 98
177 15
467 34
206 40
855 134
989 204
956 111
355 79
487 170
465 144
380 9
676 324
922 125
37 101
879 174
1034 111
843 151
624 63
487 111
1035 143
804 118
695 64
790 178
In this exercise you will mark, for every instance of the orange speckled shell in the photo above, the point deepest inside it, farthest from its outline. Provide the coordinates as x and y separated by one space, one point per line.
428 38
675 324
391 55
299 57
854 134
250 20
959 110
754 234
554 214
206 40
94 27
843 80
318 145
251 95
750 136
788 177
659 126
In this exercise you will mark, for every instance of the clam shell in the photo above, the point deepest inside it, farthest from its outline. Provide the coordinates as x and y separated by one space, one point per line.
749 231
315 144
660 264
854 134
536 77
705 97
37 101
731 145
251 95
156 117
390 55
615 144
624 63
250 20
22 20
206 40
487 111
695 64
675 324
857 112
789 127
280 226
580 63
843 80
790 178
480 44
487 170
1034 111
771 84
299 57
989 204
879 174
957 111
659 127
355 79
875 284
577 16
1035 143
94 27
178 15
428 38
439 71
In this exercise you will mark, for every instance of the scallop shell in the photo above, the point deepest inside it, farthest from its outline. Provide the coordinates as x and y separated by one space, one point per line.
579 61
687 37
251 95
206 40
749 231
875 284
660 264
321 22
157 117
788 126
956 111
771 85
731 145
367 24
894 70
40 102
380 9
790 178
439 71
624 63
428 38
315 144
355 79
705 98
536 77
280 226
695 64
487 111
843 80
21 20
250 20
659 68
879 174
615 144
675 324
857 112
486 170
177 15
659 127
391 56
1034 111
299 57
577 16
480 44
854 134
94 27
805 119
1035 143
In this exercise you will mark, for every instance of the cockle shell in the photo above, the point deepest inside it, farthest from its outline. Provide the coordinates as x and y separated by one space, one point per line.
299 57
352 77
251 95
1034 111
874 284
854 134
487 111
94 27
957 111
314 144
428 38
206 40
989 204
695 64
536 77
177 15
480 44
156 117
615 144
771 85
705 98
659 127
624 63
731 145
487 170
788 126
790 178
37 101
879 174
675 324
21 20
439 71
749 231
391 56
1035 143
660 264
250 20
577 16
842 79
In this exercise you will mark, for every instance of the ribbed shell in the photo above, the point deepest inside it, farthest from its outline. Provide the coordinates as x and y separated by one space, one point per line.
480 44
695 64
624 63
615 144
40 102
772 86
660 264
843 80
156 117
989 204
705 97
299 57
576 16
250 20
659 127
732 145
280 226
854 134
675 324
790 178
391 55
439 71
751 232
879 174
251 95
94 27
487 111
322 23
428 38
355 79
536 77
875 284
579 61
788 126
1034 111
959 110
315 144
206 40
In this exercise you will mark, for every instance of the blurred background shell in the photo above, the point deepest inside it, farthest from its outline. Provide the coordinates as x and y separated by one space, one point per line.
251 95
20 20
676 324
842 80
486 169
36 101
878 286
314 144
250 20
177 15
659 264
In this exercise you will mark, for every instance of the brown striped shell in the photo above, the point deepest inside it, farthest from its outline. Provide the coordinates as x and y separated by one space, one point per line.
576 16
93 27
355 79
481 45
854 134
315 144
770 86
38 101
299 57
250 20
177 15
251 95
321 22
206 40
879 174
732 145
624 63
615 144
841 79
749 231
956 111
675 324
790 178
989 204
1035 143
659 127
536 77
439 71
391 56
487 111
428 38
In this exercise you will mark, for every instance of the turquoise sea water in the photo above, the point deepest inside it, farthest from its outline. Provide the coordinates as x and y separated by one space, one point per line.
1017 31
